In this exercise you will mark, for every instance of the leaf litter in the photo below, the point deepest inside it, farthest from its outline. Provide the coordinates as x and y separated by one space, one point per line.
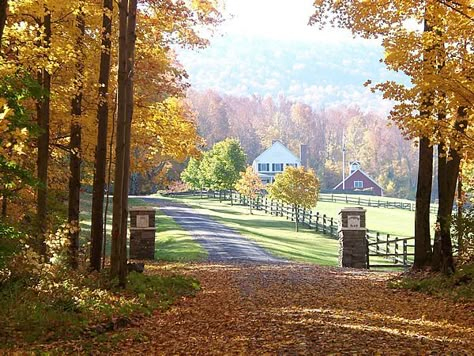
292 309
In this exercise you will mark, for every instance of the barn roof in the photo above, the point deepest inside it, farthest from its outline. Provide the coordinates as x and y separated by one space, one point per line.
365 174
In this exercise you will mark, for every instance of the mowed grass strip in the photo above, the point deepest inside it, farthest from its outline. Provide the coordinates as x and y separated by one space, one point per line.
275 234
172 243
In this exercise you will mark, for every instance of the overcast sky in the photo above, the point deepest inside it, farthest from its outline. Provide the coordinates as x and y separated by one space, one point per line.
267 48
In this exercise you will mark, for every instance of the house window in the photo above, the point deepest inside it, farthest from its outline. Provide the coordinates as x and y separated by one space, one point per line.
292 165
277 167
263 167
358 184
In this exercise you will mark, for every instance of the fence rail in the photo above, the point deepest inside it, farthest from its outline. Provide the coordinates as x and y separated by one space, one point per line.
397 251
372 202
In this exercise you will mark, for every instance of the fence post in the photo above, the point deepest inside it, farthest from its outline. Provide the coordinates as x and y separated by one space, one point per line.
387 243
405 253
317 221
377 240
332 227
396 250
324 223
367 251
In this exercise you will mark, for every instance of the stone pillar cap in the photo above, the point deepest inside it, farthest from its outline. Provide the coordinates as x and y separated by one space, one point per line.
355 209
141 208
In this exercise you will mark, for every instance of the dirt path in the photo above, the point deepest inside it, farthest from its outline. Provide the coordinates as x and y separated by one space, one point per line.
300 309
221 242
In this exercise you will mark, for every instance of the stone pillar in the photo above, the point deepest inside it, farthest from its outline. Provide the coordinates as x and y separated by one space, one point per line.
142 233
352 238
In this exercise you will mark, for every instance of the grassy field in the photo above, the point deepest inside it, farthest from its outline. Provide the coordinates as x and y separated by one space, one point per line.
395 222
172 242
387 221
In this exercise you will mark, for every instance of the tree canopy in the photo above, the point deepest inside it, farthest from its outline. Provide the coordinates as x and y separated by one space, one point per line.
296 186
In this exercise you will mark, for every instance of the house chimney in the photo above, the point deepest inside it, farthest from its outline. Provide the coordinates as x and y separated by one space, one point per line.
304 155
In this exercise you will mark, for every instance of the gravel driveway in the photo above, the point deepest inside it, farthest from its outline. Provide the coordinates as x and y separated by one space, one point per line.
222 243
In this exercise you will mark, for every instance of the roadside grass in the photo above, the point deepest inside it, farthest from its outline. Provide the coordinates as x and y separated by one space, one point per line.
172 243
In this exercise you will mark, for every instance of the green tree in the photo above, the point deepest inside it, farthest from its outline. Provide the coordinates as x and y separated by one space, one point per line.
17 131
298 187
249 185
192 174
221 166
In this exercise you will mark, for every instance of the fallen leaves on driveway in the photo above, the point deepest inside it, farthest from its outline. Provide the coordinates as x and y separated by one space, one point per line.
297 309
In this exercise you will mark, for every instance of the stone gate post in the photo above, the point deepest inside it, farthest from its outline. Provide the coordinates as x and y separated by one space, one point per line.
142 233
352 238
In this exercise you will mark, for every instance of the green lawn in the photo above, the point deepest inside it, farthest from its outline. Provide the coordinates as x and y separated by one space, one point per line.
395 222
172 242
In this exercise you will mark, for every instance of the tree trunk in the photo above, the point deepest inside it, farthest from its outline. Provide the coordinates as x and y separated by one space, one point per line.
3 17
448 171
131 40
460 205
75 146
100 163
423 200
447 176
4 205
425 164
43 112
117 266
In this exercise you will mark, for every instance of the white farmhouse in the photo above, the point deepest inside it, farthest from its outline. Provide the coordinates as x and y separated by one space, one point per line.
273 161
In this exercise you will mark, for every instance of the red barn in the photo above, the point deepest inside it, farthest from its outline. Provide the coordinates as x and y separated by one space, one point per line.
359 181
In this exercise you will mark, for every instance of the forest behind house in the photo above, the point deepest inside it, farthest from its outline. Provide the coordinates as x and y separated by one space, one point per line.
383 152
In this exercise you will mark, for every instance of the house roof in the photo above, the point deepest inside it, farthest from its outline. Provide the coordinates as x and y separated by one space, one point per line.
365 174
277 142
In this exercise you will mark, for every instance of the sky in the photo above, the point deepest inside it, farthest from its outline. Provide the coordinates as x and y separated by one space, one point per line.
267 48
